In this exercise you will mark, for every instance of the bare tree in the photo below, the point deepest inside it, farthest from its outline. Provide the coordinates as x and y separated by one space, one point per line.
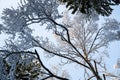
88 38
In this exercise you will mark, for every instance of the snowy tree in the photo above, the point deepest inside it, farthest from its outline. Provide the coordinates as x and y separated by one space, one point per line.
81 39
102 7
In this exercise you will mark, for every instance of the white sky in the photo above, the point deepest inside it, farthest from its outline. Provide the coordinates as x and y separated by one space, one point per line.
114 48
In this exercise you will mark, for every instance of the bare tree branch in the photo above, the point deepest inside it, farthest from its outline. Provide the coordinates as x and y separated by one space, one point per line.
94 41
51 74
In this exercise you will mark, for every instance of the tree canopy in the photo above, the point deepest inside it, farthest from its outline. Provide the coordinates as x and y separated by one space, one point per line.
102 7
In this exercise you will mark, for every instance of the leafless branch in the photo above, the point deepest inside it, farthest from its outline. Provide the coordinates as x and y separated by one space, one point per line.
69 42
94 40
104 76
96 67
51 74
91 77
60 55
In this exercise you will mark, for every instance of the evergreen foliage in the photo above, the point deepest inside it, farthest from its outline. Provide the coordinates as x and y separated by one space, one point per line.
102 7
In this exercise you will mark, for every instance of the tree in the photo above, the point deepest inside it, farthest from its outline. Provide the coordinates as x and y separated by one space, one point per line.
17 23
102 7
88 38
28 66
23 32
20 66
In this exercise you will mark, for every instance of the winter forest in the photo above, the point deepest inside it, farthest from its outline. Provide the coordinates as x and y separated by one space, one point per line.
60 40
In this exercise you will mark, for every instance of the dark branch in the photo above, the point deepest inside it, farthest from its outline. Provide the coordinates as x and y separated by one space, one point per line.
51 74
